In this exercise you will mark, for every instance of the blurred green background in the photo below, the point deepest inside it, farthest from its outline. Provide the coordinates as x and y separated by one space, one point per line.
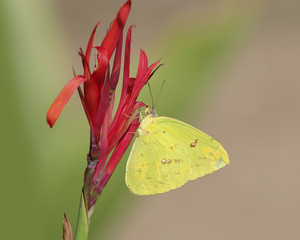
231 69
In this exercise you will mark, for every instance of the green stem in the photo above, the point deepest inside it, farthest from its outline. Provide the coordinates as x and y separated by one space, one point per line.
82 227
85 210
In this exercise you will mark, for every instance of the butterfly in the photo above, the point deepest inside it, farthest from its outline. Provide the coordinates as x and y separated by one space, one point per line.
167 153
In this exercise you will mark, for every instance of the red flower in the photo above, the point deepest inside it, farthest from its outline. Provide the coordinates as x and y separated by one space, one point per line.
108 133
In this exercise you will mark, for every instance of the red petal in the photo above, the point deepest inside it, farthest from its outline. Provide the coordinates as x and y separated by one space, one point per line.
111 107
122 146
62 99
105 52
141 78
104 149
117 64
122 124
139 105
86 57
112 37
103 103
110 41
125 76
85 63
99 72
127 58
143 65
116 156
90 43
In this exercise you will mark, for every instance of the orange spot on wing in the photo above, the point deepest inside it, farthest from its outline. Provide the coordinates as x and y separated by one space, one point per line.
193 144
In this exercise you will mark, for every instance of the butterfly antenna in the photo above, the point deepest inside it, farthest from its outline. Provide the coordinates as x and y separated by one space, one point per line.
159 93
151 95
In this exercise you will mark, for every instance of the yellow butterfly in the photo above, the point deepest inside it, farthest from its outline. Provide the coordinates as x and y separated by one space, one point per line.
167 153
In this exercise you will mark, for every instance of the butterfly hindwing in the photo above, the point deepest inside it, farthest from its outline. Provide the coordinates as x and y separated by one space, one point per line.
167 153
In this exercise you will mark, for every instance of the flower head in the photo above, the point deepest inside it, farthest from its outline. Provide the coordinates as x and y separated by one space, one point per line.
109 133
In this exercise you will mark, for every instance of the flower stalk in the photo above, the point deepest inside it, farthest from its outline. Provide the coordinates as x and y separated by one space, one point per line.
110 134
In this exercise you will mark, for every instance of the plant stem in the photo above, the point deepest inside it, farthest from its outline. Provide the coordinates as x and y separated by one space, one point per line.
85 209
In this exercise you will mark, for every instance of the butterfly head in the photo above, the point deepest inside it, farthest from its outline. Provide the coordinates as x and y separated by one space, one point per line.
151 111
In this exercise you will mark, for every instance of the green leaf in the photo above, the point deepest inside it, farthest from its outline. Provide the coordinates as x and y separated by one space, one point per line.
82 228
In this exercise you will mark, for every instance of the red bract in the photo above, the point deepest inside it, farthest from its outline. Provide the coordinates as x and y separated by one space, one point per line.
110 135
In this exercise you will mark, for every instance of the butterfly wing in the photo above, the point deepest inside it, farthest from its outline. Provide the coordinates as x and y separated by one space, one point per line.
167 153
